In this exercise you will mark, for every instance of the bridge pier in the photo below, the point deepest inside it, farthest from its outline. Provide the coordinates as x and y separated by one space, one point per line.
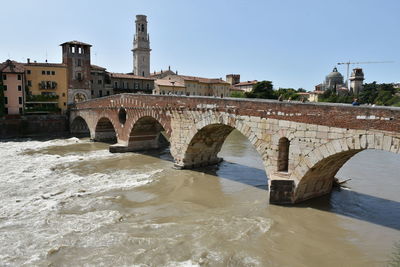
141 143
199 163
281 191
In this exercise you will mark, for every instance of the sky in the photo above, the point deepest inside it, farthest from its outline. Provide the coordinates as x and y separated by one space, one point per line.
292 43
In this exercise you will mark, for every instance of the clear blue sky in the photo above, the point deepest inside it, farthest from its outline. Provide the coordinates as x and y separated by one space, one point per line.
290 42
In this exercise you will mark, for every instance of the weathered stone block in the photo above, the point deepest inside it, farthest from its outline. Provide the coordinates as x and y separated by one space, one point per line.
281 191
387 143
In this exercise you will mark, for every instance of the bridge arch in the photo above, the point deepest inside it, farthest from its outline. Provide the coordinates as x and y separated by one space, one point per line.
105 130
80 127
146 133
205 140
314 175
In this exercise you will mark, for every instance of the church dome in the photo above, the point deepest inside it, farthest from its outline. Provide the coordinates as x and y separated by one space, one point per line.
334 79
335 74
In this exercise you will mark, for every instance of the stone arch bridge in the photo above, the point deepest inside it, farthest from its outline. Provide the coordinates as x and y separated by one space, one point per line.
302 145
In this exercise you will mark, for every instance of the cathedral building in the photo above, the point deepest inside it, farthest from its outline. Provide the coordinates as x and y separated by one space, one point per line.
333 81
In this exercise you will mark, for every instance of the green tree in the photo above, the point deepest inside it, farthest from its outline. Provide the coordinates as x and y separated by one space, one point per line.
287 93
332 97
238 94
369 93
380 94
262 89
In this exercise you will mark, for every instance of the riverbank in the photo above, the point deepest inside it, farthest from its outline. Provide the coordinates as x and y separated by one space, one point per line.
33 126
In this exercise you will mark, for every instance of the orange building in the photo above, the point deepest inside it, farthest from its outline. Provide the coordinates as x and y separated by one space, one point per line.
12 75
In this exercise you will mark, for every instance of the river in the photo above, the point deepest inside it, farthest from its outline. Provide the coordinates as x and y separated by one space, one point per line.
69 202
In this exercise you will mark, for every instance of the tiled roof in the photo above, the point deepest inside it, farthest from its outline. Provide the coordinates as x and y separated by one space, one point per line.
95 67
11 66
317 92
44 64
74 42
246 83
161 72
129 76
202 80
169 83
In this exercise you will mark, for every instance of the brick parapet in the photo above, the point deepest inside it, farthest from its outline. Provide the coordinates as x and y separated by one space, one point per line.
339 115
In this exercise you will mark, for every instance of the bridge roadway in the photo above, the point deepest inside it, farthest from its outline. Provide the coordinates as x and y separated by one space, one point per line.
302 145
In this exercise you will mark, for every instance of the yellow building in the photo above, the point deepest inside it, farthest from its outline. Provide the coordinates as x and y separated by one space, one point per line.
47 87
190 85
168 87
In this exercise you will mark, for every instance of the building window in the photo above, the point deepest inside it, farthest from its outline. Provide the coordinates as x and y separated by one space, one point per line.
20 100
147 86
29 83
108 92
65 104
28 72
19 88
100 93
5 87
99 81
91 81
115 84
4 77
20 110
48 72
79 50
73 49
63 94
283 156
6 110
5 100
43 72
19 77
79 63
53 72
79 76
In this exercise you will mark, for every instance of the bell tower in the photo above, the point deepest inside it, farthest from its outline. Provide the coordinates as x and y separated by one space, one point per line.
141 48
356 81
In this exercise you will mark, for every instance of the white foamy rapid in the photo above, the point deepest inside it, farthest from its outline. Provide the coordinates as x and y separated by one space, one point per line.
37 188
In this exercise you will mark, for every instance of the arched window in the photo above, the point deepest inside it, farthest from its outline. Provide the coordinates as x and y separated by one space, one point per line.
283 156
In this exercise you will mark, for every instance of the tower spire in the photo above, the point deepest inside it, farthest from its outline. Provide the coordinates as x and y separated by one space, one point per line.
141 48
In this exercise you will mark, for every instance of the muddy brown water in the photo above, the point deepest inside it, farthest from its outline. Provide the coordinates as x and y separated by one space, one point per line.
69 202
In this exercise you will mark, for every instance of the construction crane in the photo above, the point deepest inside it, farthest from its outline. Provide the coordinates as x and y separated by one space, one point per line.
348 63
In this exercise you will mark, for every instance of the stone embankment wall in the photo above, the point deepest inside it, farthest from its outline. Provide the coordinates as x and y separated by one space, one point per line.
33 126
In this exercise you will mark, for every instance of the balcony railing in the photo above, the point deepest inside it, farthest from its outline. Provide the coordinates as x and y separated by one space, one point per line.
46 85
42 98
